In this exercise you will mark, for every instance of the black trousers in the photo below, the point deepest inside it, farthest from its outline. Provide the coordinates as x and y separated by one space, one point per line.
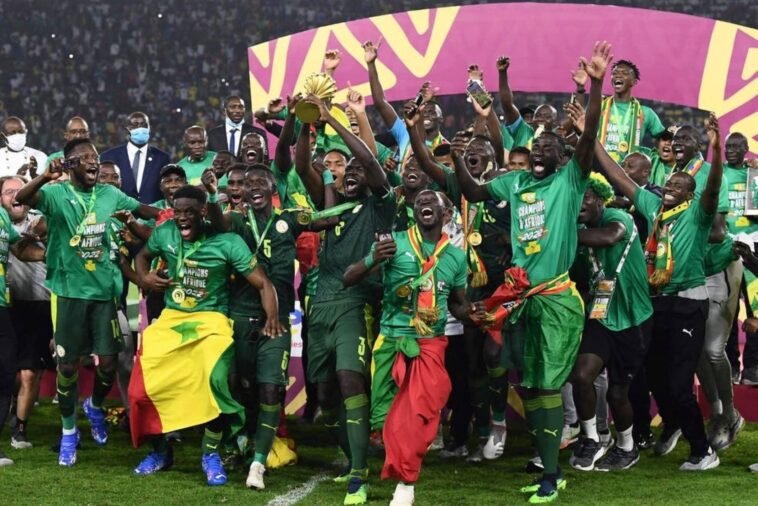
8 352
456 363
678 336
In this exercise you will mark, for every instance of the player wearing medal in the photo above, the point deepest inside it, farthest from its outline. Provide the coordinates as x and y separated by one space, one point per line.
681 223
723 271
261 362
545 203
624 122
423 274
486 230
181 375
617 330
83 278
340 339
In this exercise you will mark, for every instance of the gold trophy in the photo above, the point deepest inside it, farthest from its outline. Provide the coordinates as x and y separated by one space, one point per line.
321 85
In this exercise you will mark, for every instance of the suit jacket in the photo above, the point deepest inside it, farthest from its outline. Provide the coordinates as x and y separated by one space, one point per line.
151 178
217 137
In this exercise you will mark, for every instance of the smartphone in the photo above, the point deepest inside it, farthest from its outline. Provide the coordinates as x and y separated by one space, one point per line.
384 236
419 99
573 98
70 163
478 93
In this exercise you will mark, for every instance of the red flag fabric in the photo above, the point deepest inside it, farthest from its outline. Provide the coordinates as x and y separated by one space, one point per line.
414 415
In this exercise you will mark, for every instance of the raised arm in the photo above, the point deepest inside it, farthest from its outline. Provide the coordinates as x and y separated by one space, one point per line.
219 221
595 69
471 189
139 230
413 121
357 105
29 194
260 282
377 92
506 95
283 151
375 176
311 179
332 59
710 197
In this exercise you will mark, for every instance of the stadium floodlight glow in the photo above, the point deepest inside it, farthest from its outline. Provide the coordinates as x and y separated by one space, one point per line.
70 56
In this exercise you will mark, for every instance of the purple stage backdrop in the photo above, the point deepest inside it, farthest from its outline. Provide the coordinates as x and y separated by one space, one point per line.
684 60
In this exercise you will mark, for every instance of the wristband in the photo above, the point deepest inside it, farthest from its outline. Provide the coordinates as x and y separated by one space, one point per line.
369 261
327 176
213 198
581 91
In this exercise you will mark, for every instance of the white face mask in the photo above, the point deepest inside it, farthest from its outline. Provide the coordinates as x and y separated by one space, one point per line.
16 142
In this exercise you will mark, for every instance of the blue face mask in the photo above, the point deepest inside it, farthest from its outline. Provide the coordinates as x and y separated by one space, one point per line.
139 136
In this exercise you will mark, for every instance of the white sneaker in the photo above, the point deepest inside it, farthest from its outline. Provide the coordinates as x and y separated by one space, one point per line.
753 468
439 441
569 435
667 442
255 476
493 448
403 495
4 460
709 461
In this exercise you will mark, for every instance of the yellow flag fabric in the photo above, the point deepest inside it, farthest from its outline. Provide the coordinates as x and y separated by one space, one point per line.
180 378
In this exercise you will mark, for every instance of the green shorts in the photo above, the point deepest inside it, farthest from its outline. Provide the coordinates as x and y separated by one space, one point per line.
84 327
260 359
544 341
339 339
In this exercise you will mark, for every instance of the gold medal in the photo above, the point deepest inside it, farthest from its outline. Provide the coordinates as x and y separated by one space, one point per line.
304 218
403 291
75 240
178 295
475 238
623 146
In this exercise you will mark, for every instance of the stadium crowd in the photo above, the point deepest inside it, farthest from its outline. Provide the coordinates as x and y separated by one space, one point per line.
589 253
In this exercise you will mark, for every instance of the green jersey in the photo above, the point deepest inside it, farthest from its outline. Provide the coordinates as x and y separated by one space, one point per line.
8 236
717 255
78 245
404 267
689 234
275 252
621 121
630 304
659 171
201 283
349 242
291 189
543 218
736 179
194 169
521 134
492 220
507 137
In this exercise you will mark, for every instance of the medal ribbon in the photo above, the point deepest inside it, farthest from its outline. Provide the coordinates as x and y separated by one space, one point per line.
425 301
658 251
87 207
471 224
259 238
181 257
328 213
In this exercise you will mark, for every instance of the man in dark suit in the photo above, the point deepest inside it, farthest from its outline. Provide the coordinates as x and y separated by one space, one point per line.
139 163
227 137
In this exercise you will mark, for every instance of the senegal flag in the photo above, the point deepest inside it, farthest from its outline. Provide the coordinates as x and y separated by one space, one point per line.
180 378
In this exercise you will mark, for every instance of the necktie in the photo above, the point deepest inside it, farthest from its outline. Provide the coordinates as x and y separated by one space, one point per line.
232 147
135 167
